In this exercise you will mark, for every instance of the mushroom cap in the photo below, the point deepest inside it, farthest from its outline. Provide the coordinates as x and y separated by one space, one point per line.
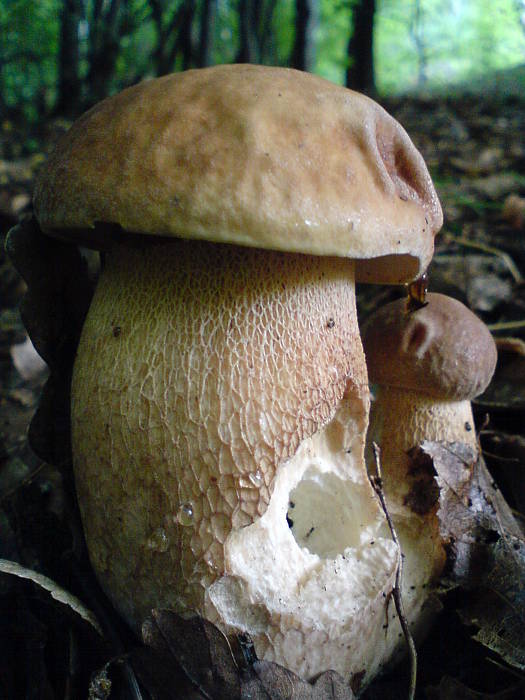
256 156
442 349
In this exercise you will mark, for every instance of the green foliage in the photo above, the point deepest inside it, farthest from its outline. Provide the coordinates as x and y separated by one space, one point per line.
136 48
28 48
418 44
460 40
226 32
333 34
284 31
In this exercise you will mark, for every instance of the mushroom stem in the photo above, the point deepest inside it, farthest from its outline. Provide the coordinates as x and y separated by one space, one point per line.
201 369
401 419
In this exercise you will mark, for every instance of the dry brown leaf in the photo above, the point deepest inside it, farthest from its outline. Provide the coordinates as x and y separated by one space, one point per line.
486 550
201 651
513 211
497 607
482 282
53 311
191 658
27 361
487 161
494 186
269 680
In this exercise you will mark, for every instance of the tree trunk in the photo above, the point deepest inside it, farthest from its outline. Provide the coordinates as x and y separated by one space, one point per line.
306 18
249 46
184 40
174 36
416 33
266 34
208 11
360 71
103 50
69 86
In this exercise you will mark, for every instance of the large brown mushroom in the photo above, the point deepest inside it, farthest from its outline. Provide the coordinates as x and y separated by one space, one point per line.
219 396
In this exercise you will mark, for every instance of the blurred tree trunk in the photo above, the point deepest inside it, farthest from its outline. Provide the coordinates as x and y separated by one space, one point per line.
266 32
249 51
185 39
417 35
104 44
207 24
360 71
69 86
256 39
174 40
306 19
110 21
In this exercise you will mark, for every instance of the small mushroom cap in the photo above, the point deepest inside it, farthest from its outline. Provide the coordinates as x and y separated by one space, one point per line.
442 349
256 156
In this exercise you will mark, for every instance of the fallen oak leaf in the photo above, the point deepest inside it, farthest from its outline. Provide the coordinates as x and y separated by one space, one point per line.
270 681
161 676
497 608
486 549
331 686
191 659
59 291
513 211
201 651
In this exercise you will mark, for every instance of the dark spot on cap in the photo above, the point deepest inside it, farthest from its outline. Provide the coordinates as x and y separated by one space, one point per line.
417 338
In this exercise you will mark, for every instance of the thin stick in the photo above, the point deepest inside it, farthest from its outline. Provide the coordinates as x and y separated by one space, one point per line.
377 485
506 326
509 262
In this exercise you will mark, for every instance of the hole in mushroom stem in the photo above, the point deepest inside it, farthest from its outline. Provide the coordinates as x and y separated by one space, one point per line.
322 515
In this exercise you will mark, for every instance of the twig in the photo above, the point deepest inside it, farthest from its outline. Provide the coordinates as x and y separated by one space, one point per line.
493 455
377 485
28 478
506 326
509 262
507 669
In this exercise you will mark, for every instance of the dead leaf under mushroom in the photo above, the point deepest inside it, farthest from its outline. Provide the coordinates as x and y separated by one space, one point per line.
486 549
191 658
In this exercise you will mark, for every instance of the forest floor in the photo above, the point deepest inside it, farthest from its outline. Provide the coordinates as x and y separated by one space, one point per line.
476 154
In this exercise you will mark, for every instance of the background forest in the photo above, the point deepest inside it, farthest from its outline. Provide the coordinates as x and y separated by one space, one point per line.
60 56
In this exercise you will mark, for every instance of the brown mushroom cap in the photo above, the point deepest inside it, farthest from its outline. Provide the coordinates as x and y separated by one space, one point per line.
442 349
256 156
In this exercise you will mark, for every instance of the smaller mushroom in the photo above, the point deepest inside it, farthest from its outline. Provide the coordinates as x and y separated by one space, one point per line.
427 364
